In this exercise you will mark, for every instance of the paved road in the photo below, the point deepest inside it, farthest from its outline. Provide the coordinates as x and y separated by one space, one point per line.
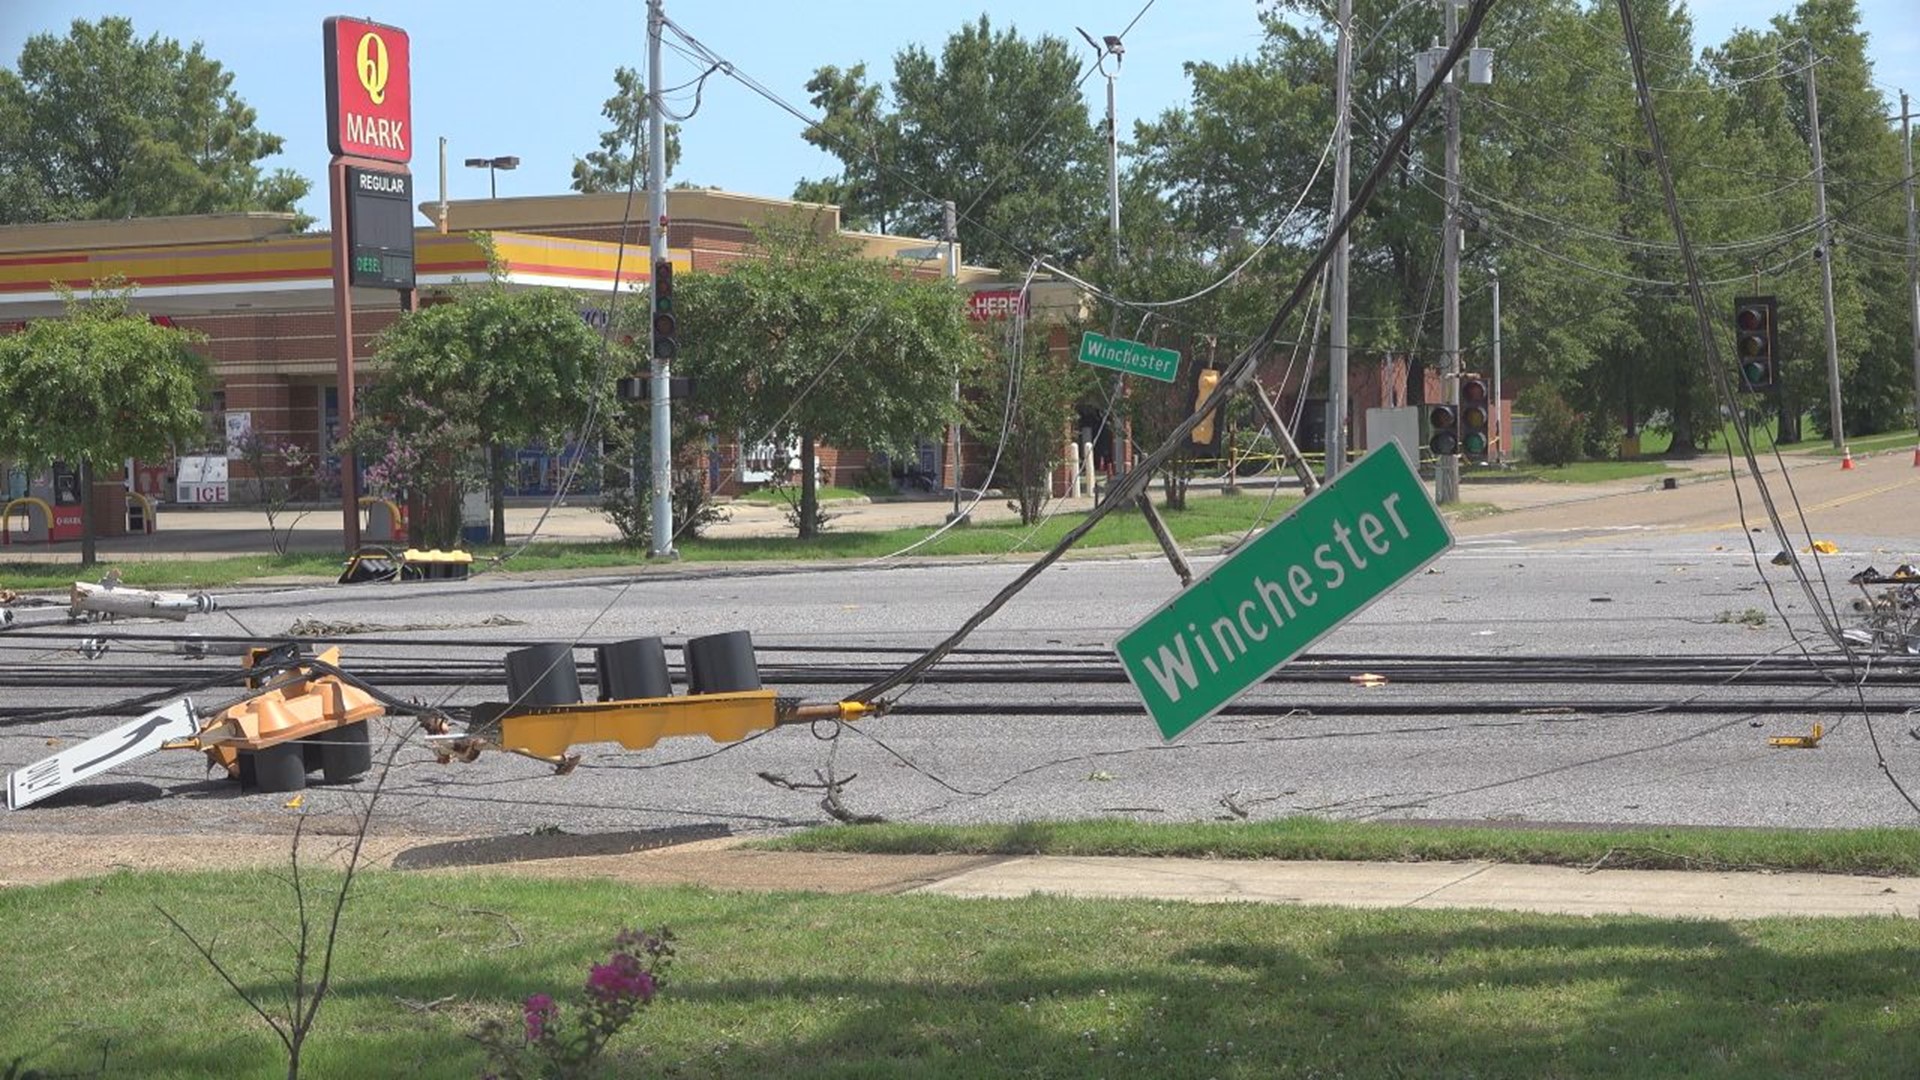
1640 573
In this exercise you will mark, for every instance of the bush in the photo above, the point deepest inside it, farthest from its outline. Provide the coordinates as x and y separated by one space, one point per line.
1557 430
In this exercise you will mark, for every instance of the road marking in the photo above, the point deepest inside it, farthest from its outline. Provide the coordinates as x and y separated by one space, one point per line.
1806 508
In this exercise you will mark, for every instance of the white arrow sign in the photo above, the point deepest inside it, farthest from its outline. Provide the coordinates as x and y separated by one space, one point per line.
133 739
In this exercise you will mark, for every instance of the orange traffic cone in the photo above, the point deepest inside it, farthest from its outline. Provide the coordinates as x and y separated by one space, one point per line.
1916 457
1846 458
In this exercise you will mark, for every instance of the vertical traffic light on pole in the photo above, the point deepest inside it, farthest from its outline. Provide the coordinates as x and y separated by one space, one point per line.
1443 420
1756 341
666 345
1204 433
1475 417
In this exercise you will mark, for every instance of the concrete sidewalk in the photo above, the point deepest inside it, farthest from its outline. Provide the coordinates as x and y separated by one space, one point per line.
27 858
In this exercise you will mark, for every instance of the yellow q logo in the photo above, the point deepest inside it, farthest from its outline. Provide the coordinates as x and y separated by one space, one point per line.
371 59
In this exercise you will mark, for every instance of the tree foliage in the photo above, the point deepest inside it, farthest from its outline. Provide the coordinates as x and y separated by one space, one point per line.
1562 199
101 385
102 124
996 123
807 339
487 367
1025 395
622 159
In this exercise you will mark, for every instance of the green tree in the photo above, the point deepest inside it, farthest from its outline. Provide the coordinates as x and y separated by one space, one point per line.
101 385
1026 394
996 124
622 159
486 369
808 339
100 124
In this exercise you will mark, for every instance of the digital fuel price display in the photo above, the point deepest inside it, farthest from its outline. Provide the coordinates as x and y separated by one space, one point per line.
380 228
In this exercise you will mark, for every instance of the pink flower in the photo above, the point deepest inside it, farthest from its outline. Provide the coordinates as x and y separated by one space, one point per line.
620 979
539 1011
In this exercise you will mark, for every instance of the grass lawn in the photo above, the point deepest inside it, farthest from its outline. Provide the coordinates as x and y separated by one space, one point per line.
1205 516
1654 443
1844 851
825 493
1893 440
926 987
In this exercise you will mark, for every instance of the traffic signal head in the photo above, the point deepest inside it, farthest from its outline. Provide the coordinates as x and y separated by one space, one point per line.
1476 415
1204 386
1756 341
666 345
1444 420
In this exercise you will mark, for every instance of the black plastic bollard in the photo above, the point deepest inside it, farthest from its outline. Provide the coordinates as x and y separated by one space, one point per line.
542 675
632 669
721 663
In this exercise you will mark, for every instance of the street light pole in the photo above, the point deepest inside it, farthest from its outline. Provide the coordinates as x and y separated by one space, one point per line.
1110 45
505 162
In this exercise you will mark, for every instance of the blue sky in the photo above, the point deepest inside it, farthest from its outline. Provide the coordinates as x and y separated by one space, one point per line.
500 78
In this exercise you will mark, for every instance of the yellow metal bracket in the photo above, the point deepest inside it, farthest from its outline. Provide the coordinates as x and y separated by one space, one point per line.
1799 742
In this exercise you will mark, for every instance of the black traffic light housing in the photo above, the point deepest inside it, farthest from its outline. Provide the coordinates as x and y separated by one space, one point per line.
666 328
1443 420
1476 417
1756 342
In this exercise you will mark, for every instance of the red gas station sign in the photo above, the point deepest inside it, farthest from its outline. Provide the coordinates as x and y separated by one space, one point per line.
989 304
369 90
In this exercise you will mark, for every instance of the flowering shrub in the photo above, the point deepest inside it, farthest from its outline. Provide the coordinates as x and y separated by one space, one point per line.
553 1045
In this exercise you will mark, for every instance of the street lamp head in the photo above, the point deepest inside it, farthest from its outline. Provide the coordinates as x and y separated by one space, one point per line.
508 162
1113 45
477 163
505 162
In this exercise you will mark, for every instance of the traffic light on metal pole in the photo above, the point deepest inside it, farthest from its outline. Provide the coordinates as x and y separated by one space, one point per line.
1444 422
1204 385
1475 416
666 345
1756 341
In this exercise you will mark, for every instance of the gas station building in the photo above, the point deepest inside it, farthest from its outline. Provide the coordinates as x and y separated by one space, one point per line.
262 292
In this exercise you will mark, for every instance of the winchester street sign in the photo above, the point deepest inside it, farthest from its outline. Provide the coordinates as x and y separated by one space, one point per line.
1341 549
1128 357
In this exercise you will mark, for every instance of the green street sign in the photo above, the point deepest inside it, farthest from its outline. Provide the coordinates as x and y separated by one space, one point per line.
1129 357
1341 549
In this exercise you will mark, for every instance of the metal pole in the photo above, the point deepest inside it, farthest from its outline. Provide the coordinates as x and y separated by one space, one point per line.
493 182
1446 473
951 235
1913 257
1495 420
1826 257
343 359
1342 178
1113 232
661 368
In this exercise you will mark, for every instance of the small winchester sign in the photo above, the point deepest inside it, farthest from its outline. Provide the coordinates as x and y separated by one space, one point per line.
369 90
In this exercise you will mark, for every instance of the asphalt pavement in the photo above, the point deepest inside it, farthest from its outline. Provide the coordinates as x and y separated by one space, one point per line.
1616 570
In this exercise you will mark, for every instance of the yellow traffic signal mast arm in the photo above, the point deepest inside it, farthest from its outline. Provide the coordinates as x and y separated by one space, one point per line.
547 732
